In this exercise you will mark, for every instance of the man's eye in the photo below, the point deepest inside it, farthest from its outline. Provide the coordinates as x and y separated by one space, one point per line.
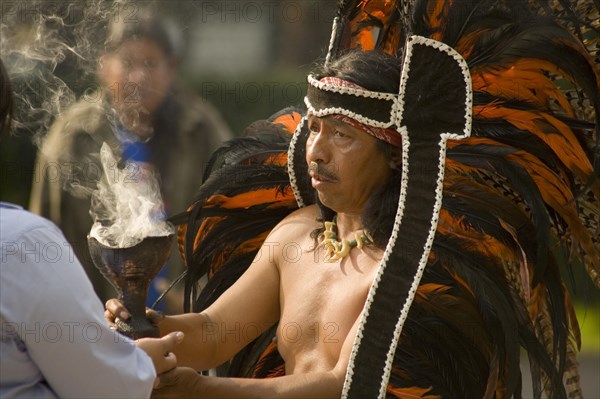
314 128
337 133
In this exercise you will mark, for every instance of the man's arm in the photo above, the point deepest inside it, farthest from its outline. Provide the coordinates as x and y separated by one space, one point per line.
185 382
240 315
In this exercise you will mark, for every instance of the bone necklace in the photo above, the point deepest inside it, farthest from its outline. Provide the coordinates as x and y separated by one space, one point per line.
335 249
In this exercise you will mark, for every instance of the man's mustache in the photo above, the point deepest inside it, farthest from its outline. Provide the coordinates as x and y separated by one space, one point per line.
321 171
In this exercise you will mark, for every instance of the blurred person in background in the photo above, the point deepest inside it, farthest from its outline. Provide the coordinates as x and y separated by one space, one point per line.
145 116
53 338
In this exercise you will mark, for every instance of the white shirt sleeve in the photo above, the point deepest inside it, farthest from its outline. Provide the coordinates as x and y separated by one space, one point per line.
49 301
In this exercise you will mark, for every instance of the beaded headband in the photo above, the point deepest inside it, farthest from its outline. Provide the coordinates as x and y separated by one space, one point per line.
373 113
368 107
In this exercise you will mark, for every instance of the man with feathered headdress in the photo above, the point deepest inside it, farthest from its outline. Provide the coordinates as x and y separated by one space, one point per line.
445 179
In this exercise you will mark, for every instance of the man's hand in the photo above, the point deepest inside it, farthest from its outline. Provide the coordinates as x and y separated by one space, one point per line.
181 382
160 350
115 311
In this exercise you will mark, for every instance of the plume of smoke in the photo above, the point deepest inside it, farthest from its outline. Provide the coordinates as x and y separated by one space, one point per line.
37 36
127 208
51 50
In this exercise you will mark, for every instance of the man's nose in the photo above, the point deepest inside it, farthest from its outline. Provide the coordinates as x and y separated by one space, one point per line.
316 148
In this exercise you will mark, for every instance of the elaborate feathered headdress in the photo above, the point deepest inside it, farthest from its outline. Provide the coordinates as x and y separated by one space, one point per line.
525 142
508 105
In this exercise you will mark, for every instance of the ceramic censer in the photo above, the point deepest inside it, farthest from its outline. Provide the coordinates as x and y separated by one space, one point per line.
130 271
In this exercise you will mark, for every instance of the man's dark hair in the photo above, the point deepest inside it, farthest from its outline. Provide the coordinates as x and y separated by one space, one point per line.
144 26
374 71
6 101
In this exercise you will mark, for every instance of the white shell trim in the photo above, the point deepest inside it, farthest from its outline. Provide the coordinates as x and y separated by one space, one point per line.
401 203
415 39
291 172
343 111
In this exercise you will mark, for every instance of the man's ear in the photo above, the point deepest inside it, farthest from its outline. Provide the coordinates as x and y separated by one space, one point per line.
395 161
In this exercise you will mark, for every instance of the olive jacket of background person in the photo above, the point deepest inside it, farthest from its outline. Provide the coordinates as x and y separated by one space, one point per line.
186 131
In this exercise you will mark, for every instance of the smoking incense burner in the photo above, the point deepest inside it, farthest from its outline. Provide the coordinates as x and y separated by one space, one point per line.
130 271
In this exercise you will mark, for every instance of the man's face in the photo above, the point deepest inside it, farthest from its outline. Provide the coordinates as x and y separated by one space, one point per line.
137 76
350 165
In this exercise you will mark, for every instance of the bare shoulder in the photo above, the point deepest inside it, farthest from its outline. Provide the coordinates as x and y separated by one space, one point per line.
297 224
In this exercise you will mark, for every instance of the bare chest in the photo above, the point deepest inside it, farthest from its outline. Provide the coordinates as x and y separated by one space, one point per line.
320 302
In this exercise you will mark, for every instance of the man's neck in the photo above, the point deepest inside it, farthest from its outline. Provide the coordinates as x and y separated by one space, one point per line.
348 224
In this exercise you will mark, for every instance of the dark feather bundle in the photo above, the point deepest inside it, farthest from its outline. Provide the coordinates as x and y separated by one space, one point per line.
245 193
520 185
